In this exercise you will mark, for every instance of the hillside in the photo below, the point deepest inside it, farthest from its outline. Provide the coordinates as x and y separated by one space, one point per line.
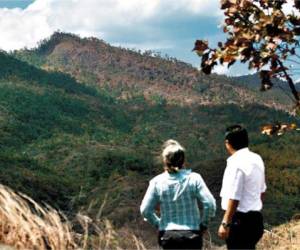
97 63
82 146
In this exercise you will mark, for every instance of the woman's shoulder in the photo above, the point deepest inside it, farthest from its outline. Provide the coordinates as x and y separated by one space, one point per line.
193 174
195 178
159 178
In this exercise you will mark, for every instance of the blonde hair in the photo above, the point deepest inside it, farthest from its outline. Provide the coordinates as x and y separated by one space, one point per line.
173 156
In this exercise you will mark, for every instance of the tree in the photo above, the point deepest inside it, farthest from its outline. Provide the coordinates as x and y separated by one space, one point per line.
261 34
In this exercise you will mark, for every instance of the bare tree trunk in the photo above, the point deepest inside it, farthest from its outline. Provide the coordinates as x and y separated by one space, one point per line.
291 83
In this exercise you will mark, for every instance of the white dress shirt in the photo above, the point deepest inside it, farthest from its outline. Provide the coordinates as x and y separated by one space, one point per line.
244 180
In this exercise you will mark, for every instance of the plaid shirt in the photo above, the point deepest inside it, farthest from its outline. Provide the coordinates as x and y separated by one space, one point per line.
178 195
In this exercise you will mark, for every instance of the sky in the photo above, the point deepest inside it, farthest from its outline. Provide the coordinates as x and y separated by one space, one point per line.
166 26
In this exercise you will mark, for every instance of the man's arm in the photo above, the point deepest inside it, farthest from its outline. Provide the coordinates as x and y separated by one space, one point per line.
148 206
233 202
262 196
227 219
263 190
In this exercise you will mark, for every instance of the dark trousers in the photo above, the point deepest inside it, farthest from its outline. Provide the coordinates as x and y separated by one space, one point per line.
245 231
180 239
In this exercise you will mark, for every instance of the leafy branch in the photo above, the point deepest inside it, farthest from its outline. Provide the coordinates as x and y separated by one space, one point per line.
260 34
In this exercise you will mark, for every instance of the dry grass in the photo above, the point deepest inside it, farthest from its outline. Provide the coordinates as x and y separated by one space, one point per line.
286 236
24 224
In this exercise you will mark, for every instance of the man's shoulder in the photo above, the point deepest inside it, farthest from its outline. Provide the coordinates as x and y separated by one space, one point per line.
255 156
254 161
245 160
246 154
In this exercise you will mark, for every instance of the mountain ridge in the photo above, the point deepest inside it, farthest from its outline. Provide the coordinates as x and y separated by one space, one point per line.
95 62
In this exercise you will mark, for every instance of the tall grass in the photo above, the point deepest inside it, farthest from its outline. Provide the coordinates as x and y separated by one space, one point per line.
24 224
285 237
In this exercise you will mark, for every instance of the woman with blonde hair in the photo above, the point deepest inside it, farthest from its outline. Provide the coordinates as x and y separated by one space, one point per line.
177 191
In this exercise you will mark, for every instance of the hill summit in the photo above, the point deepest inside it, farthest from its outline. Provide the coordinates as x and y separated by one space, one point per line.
97 63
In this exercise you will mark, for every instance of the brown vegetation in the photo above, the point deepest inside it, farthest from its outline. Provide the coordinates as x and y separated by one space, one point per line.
286 236
24 224
127 72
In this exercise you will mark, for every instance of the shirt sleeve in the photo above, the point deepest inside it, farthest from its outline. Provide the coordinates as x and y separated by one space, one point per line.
148 205
237 185
206 198
263 185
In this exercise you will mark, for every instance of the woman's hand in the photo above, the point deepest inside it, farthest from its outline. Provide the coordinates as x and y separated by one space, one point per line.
223 232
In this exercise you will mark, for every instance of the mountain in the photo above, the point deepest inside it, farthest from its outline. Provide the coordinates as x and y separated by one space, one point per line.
253 81
97 63
92 145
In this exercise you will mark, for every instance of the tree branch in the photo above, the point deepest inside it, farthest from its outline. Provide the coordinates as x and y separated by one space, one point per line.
290 82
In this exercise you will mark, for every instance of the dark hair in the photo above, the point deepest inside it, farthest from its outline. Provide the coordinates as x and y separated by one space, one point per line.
237 137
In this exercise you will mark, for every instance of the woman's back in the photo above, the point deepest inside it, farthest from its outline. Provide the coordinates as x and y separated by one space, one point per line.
178 195
178 201
177 192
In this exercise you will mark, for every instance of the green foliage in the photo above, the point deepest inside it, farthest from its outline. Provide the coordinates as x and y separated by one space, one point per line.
37 116
26 175
283 177
12 69
158 100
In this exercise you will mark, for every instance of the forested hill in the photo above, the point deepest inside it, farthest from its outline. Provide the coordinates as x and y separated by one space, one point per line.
95 62
82 144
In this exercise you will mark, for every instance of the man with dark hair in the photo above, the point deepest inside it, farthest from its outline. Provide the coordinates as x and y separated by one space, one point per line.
242 189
